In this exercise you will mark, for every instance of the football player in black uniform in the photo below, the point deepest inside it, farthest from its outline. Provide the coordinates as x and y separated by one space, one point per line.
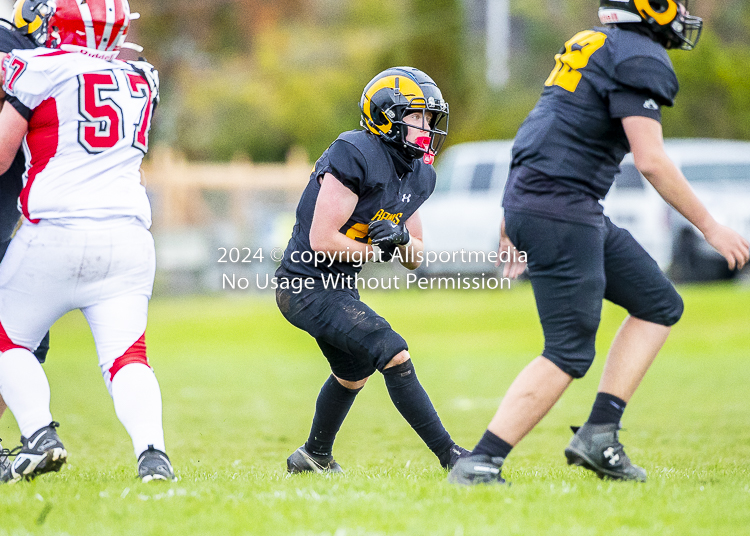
361 201
13 36
602 99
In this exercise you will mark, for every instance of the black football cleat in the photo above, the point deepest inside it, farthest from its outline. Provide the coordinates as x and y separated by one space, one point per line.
303 461
597 448
456 452
477 469
41 453
154 464
4 458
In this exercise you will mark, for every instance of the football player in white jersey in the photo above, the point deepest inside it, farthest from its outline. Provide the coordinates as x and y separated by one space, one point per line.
82 118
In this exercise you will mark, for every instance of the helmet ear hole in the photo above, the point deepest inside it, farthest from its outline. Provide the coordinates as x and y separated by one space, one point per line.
378 116
659 7
382 109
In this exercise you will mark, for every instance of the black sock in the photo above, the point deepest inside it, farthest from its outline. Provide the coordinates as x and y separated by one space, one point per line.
493 446
411 400
334 402
607 409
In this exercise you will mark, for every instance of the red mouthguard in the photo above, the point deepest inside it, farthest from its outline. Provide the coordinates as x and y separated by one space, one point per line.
424 143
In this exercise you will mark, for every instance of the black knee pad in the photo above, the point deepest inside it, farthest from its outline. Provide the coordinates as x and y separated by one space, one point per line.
383 345
364 356
573 348
665 308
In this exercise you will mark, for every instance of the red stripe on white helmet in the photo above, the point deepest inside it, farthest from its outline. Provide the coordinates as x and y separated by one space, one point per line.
94 27
120 28
88 23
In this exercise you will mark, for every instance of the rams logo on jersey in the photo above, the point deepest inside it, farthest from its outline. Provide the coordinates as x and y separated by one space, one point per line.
383 215
359 231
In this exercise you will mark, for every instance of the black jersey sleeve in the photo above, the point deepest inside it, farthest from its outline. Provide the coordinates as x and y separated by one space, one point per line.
627 104
20 107
11 40
647 75
348 165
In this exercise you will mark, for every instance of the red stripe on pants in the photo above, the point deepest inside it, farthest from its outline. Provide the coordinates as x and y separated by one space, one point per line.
5 342
135 354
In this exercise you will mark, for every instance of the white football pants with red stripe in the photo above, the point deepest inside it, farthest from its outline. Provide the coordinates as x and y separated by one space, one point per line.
107 271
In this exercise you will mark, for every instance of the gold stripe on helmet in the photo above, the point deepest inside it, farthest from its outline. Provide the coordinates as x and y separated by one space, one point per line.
662 19
18 20
408 88
28 28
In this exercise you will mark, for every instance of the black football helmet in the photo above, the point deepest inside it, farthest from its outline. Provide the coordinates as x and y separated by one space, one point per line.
396 93
669 20
31 18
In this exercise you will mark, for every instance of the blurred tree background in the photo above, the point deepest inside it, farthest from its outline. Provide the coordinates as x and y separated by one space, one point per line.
258 78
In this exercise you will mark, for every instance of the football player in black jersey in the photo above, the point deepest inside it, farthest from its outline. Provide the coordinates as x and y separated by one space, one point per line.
362 200
602 99
11 182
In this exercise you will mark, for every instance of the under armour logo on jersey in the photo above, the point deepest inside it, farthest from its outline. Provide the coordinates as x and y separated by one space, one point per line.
406 198
650 104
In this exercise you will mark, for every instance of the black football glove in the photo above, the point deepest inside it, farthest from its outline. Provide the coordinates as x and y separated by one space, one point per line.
383 253
385 233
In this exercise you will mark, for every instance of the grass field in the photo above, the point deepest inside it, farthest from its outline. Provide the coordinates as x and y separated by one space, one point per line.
239 386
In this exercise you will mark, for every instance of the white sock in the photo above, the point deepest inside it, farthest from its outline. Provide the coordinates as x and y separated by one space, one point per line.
25 388
137 399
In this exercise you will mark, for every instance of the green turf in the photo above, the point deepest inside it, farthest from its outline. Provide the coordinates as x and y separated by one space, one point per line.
239 386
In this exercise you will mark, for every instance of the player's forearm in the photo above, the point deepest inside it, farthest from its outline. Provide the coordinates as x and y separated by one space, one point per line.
344 248
674 188
412 254
647 143
13 128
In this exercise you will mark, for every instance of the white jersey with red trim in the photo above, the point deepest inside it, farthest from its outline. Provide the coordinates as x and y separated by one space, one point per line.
89 120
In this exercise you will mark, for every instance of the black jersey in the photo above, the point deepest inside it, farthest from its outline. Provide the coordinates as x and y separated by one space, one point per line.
11 182
572 142
11 39
387 187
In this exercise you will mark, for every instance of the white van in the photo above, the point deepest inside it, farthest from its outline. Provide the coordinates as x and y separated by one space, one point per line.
464 213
